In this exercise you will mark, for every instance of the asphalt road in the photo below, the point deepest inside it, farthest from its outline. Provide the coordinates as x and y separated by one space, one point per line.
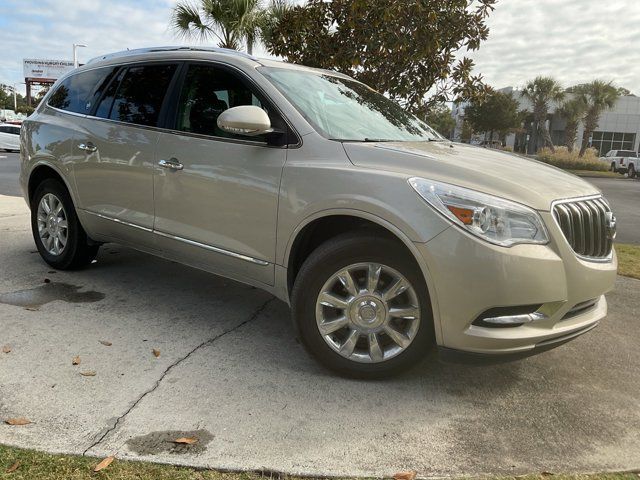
623 194
230 373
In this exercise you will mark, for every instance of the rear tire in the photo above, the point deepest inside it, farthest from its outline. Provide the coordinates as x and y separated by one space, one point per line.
378 350
631 171
59 237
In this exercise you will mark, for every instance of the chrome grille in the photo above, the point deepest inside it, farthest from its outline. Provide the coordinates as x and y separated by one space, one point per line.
587 226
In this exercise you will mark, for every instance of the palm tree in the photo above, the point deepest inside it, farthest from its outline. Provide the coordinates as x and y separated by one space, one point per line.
598 96
232 22
572 111
541 91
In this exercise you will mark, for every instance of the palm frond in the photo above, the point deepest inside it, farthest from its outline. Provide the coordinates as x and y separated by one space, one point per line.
186 22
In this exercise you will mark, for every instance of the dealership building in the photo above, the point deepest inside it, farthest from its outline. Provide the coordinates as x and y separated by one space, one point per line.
618 128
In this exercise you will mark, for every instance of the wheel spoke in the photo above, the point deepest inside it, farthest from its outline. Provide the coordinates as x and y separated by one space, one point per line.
350 344
395 289
49 241
58 208
375 352
62 238
397 337
330 300
373 276
56 245
63 224
331 326
404 312
347 282
45 204
41 216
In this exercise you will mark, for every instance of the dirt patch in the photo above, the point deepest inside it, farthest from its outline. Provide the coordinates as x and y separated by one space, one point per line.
165 442
49 292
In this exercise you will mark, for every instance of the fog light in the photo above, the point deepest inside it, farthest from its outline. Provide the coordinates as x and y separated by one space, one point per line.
504 317
516 319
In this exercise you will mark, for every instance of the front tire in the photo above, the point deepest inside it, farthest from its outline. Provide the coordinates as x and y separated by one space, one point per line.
59 237
361 307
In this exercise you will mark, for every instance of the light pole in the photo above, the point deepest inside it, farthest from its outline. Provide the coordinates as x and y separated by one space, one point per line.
75 53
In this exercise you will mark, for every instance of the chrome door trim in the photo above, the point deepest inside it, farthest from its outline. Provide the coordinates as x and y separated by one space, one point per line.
213 249
121 222
222 251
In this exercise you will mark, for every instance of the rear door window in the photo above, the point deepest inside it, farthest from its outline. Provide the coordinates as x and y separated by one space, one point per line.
74 94
139 96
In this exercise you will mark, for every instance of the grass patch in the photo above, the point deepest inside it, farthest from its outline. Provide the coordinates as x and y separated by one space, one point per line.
596 174
628 260
43 466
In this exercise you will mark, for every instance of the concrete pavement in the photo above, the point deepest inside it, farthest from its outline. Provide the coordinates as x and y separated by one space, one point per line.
230 373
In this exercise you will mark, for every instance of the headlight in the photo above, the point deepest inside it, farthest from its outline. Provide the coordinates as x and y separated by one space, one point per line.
493 219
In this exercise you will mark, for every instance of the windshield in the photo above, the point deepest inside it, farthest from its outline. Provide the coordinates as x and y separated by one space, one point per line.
346 110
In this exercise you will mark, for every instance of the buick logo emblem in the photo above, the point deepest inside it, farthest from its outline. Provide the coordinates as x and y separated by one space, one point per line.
610 223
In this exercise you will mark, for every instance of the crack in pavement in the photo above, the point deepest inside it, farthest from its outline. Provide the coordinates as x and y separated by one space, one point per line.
115 425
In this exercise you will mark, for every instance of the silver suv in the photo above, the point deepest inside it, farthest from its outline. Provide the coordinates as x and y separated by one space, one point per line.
384 237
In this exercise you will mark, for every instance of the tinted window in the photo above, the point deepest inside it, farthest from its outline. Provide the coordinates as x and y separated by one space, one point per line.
207 92
75 92
141 93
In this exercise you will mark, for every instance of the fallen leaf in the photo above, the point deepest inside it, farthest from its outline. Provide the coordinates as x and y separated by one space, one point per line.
156 353
409 475
76 360
88 373
104 464
13 467
17 421
32 309
105 343
186 440
46 280
6 349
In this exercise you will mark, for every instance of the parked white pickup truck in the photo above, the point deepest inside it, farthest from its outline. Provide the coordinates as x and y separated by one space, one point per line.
623 161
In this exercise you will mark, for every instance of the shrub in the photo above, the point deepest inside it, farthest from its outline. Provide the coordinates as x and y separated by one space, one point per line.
562 158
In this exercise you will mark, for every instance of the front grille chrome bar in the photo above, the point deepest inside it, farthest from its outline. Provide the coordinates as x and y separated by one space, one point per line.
587 224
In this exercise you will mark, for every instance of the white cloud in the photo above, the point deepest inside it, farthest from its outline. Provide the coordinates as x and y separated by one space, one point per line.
572 40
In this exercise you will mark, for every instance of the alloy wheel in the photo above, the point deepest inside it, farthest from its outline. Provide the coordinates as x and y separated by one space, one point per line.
53 226
368 312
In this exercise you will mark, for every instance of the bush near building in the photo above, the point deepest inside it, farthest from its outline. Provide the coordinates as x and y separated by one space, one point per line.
563 158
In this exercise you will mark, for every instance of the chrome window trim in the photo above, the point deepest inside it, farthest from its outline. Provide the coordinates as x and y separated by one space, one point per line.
172 130
212 248
598 196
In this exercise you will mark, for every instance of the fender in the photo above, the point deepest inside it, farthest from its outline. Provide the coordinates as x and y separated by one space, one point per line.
399 234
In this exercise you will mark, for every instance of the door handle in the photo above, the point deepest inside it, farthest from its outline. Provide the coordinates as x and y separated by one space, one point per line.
172 164
88 147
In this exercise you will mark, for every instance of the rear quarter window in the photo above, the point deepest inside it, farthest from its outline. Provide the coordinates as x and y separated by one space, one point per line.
75 93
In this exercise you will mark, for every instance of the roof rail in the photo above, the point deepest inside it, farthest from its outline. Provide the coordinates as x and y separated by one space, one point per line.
138 51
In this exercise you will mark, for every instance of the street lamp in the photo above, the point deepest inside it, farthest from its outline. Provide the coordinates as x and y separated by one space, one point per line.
75 53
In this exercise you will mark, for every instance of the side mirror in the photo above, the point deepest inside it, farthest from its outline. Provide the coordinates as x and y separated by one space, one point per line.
245 120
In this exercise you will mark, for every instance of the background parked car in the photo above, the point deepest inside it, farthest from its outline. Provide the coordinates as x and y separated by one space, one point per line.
9 137
623 161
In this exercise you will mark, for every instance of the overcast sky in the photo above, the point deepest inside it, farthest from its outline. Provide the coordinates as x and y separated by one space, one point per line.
573 40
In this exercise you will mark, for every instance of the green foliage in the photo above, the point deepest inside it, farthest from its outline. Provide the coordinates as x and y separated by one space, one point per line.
404 49
231 22
572 111
541 91
498 113
439 118
598 96
561 157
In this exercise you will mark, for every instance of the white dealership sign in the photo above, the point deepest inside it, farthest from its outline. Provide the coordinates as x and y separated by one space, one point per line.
40 69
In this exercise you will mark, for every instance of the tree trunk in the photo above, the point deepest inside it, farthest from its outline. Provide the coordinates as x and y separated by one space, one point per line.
546 136
590 124
571 132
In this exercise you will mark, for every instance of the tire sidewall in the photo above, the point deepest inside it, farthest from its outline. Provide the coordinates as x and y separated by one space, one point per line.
68 255
328 259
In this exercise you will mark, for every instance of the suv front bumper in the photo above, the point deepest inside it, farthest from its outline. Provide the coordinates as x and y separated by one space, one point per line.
467 277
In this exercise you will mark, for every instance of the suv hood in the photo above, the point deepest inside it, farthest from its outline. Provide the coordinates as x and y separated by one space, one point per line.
525 181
